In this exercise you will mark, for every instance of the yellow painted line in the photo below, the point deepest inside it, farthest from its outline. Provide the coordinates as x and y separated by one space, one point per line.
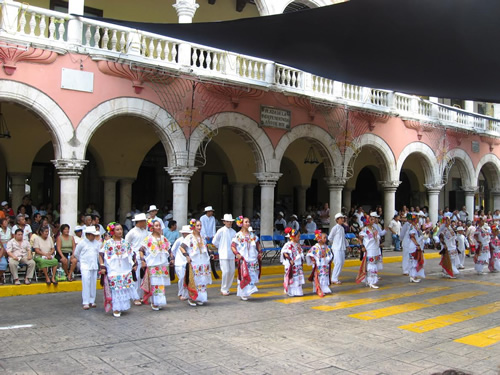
315 297
482 339
266 294
473 282
216 283
450 319
41 288
407 307
387 297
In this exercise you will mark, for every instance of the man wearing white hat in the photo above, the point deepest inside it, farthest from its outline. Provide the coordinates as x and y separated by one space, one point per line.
294 224
338 244
280 223
87 253
310 225
208 225
153 210
222 241
135 237
180 262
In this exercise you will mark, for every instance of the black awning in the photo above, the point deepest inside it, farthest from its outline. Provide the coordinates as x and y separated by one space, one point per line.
443 48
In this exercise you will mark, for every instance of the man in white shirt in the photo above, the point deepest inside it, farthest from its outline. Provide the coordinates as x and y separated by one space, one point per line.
463 215
395 228
152 212
310 225
208 224
360 214
294 224
222 241
135 237
180 263
280 223
338 244
21 224
87 253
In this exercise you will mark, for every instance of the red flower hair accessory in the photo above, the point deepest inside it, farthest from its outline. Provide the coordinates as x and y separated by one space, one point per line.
111 228
150 225
291 232
192 224
239 221
317 234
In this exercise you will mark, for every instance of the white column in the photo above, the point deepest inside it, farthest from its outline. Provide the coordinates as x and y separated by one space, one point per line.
346 198
125 197
469 191
433 191
496 110
180 179
267 182
390 188
495 194
18 186
75 27
237 199
185 12
248 196
469 105
301 199
69 171
335 185
109 199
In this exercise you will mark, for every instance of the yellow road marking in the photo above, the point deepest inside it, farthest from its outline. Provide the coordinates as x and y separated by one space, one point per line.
473 282
482 339
407 307
216 284
388 297
266 294
334 294
449 319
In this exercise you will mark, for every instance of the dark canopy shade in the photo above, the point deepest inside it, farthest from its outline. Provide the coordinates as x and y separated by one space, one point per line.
443 48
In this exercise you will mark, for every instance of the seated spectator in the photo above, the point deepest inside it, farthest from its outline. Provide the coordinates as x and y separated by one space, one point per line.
21 224
9 212
65 245
78 234
19 252
36 222
45 254
171 232
310 225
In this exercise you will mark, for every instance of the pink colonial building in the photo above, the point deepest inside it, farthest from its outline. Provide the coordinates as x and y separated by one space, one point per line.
119 117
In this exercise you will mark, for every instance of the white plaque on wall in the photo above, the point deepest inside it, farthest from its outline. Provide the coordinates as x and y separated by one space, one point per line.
77 80
275 117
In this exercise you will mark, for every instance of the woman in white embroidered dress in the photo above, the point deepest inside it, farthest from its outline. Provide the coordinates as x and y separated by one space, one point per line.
155 254
482 256
195 250
415 246
371 245
293 256
246 245
320 256
119 263
495 249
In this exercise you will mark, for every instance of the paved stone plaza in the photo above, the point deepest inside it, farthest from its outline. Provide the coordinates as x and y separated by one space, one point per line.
401 328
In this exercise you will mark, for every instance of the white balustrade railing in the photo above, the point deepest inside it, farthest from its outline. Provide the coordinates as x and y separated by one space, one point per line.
48 29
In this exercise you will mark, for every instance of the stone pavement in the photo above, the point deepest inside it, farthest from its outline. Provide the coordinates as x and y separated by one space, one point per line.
401 328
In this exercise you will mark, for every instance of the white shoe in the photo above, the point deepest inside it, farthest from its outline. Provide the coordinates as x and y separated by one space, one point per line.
244 298
412 280
461 267
373 286
117 314
155 308
199 303
191 303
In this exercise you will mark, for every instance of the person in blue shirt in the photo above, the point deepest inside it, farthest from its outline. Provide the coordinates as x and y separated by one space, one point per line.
171 231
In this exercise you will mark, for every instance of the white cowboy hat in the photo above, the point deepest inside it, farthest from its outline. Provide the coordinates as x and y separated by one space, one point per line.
295 216
281 213
169 217
460 228
152 208
309 217
250 229
186 229
209 208
140 217
78 227
374 214
92 230
227 217
339 215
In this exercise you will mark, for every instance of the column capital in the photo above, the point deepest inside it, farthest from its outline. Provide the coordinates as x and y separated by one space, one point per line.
69 168
495 191
268 178
433 188
390 186
185 8
335 183
469 189
181 174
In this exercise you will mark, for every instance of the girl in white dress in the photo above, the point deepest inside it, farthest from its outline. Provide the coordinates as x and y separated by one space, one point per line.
373 256
320 257
293 256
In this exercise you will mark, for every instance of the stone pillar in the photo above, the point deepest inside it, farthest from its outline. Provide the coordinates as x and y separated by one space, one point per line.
125 197
390 188
237 200
335 185
496 110
75 27
248 204
433 191
18 186
267 182
301 199
469 191
495 194
346 198
469 105
180 179
109 199
69 171
185 11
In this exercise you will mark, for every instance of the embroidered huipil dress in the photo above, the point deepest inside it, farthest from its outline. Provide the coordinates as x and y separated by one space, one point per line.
450 239
200 265
412 250
495 253
246 245
483 242
156 255
118 259
295 252
323 257
371 242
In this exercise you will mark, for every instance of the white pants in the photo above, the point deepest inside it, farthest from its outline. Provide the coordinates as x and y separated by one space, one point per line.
180 272
89 286
338 260
140 292
406 260
227 267
461 259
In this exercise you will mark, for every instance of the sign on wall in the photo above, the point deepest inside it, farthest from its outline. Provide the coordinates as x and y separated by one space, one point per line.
275 117
475 146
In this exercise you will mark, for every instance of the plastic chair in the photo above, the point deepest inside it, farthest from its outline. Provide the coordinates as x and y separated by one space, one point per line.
354 248
268 246
308 240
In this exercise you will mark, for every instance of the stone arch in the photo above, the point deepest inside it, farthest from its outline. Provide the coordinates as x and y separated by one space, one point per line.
58 123
246 128
428 161
268 7
464 165
385 158
170 135
323 141
491 163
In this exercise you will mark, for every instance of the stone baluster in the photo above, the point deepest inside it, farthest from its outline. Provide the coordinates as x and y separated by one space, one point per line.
180 179
267 182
